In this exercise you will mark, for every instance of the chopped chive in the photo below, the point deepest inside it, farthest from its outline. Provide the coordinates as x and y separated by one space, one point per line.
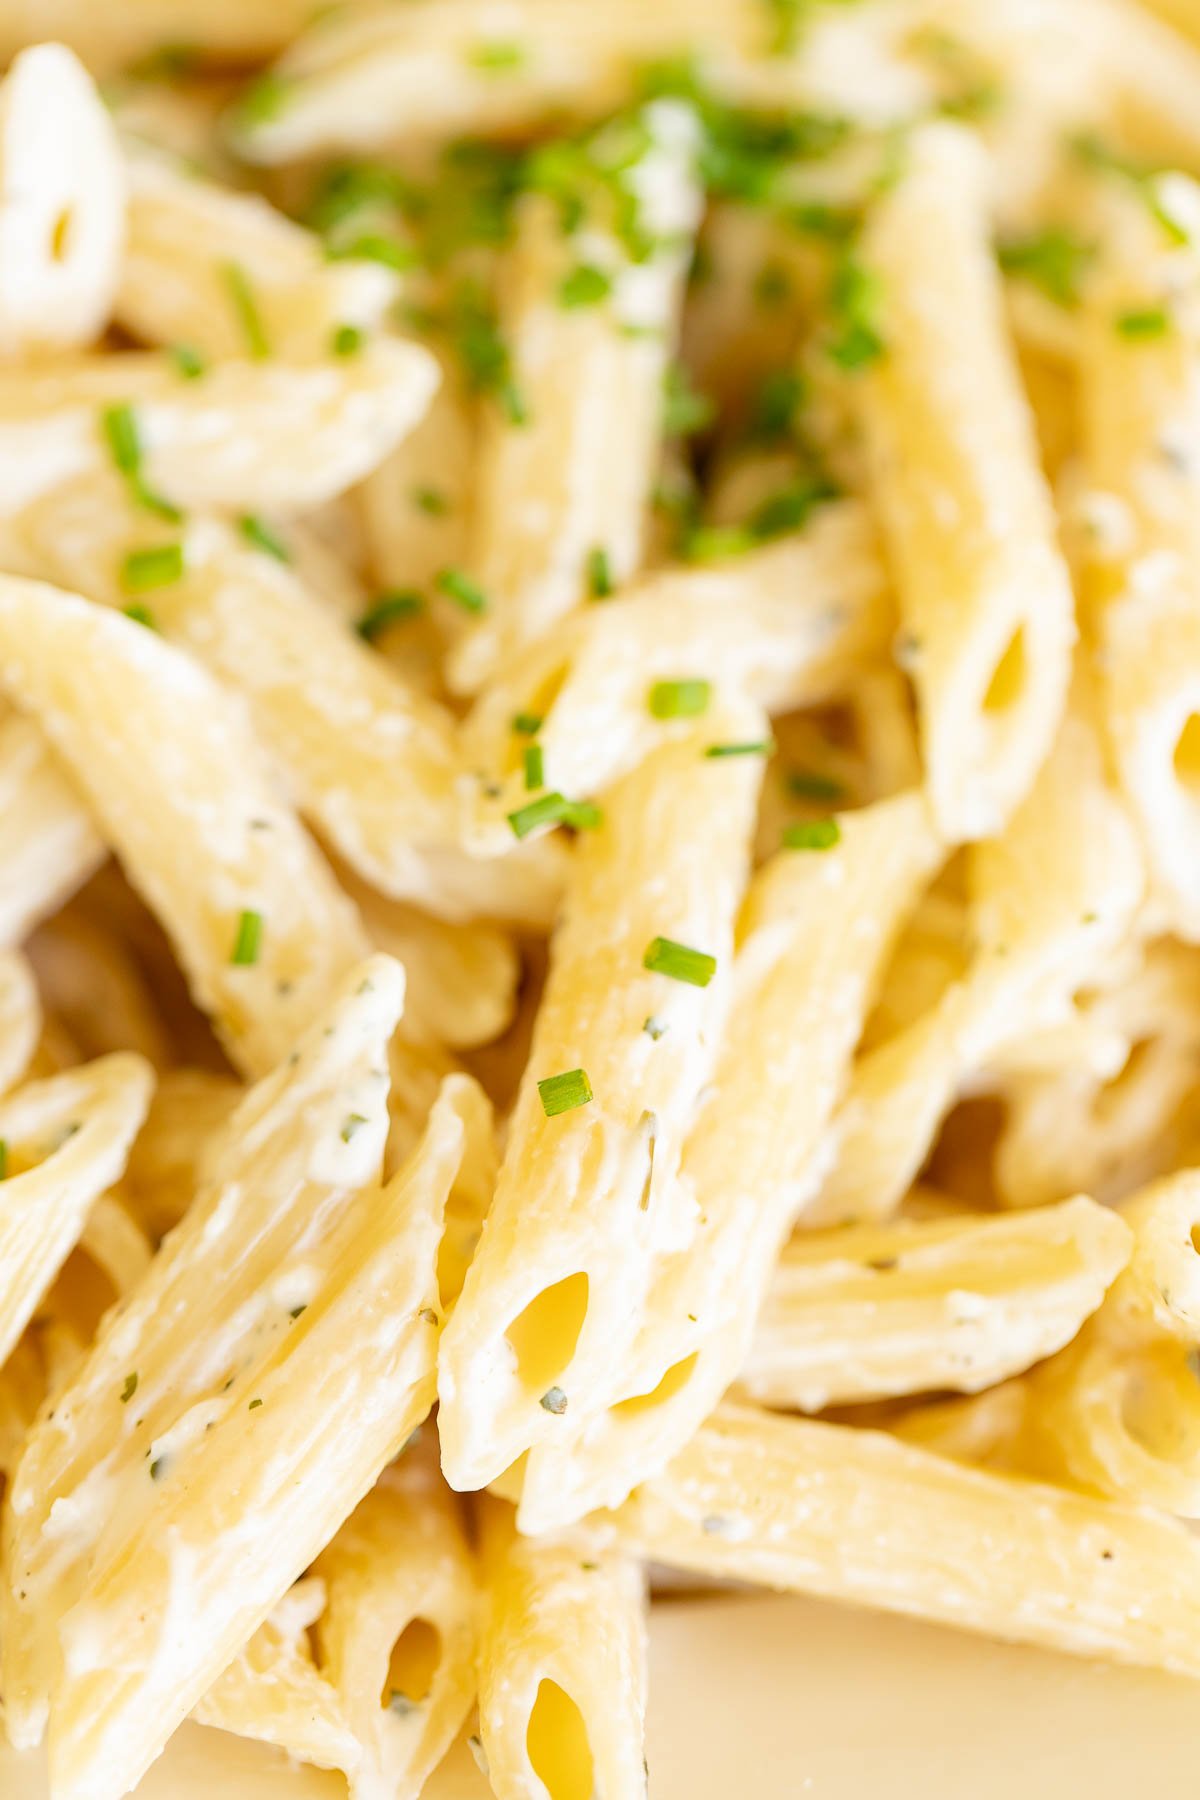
245 305
761 747
121 433
496 57
400 1704
584 285
248 942
599 573
679 963
350 1124
554 1400
680 699
141 615
653 1027
430 500
188 361
1054 261
158 1468
262 101
3 1159
348 340
155 567
709 543
685 410
130 1388
1144 322
253 1404
772 285
811 784
813 834
554 809
563 1093
527 724
258 533
389 609
297 1310
462 590
534 771
373 246
156 503
854 301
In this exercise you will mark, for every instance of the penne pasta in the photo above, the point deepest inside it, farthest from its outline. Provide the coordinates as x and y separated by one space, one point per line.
986 611
908 1308
562 1691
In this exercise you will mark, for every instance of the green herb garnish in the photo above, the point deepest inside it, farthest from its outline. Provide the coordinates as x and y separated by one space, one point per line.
258 533
554 809
563 1093
679 963
679 699
387 610
245 305
348 340
599 574
248 941
813 834
584 285
141 615
462 590
811 784
155 567
1141 324
496 57
1054 261
527 724
534 771
350 1124
130 1388
188 361
761 747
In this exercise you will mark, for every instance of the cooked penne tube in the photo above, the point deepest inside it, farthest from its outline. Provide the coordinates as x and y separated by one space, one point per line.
255 917
986 610
803 981
1142 452
274 1691
66 1140
589 317
62 205
858 1516
49 846
188 1111
416 503
562 1685
399 1634
1051 901
626 1037
186 234
249 435
340 1392
786 624
20 1017
95 989
253 1249
908 1308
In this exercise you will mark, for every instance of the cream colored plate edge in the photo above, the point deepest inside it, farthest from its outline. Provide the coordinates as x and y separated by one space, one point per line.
756 1698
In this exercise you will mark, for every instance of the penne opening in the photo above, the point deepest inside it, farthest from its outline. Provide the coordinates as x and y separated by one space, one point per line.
1186 760
544 1336
1008 678
672 1383
411 1666
1195 1236
557 1745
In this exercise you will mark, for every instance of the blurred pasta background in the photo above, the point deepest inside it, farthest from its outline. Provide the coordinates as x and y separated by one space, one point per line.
599 852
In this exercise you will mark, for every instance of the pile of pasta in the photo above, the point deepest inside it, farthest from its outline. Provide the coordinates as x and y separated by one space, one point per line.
599 852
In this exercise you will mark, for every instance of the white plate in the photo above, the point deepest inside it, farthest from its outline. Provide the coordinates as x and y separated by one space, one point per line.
755 1698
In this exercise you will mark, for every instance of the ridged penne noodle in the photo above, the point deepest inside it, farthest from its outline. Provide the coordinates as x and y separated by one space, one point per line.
20 1017
786 624
274 1691
91 983
1152 78
49 845
813 940
247 29
254 1247
255 917
348 87
585 1196
985 599
186 233
62 205
66 1140
562 1669
247 436
589 380
415 504
1142 449
858 1516
1050 902
399 1634
908 1308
